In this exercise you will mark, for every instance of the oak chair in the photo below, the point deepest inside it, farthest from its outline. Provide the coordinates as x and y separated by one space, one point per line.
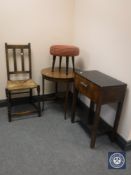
19 78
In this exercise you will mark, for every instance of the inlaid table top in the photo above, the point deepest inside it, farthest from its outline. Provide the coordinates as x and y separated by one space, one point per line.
58 75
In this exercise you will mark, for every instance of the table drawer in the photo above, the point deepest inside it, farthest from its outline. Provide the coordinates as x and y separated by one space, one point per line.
87 88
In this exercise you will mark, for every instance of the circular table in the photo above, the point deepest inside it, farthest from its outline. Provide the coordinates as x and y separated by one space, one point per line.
58 76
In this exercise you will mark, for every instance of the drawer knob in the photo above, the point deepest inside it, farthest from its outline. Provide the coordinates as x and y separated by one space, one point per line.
83 84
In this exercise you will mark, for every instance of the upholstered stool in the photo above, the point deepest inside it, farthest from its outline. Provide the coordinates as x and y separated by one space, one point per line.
64 51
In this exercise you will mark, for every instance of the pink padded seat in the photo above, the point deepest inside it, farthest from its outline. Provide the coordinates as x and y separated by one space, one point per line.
64 51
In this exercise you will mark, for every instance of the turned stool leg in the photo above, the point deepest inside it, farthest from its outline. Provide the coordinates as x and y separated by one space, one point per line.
73 63
60 63
53 64
67 62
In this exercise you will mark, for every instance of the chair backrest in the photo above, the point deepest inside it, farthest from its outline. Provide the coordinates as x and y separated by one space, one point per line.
18 60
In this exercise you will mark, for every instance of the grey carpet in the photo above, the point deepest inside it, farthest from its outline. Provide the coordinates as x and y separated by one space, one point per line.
52 146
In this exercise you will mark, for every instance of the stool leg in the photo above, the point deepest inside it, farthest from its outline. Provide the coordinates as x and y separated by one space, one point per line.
53 64
60 63
67 62
73 63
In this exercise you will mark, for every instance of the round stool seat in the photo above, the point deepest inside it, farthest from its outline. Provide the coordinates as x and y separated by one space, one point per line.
64 50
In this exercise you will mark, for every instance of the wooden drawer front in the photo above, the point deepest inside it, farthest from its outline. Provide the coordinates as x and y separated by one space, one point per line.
87 88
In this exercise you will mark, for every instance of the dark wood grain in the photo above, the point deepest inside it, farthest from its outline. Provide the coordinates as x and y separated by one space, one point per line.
100 89
58 77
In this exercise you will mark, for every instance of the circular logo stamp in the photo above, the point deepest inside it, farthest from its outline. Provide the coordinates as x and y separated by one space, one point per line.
117 160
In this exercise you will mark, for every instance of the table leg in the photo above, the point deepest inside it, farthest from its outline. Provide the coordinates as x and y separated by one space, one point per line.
43 90
66 98
39 107
91 112
117 119
56 87
75 95
95 125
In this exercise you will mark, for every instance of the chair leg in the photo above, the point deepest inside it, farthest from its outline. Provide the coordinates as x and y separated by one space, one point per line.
30 96
39 107
53 64
8 95
67 62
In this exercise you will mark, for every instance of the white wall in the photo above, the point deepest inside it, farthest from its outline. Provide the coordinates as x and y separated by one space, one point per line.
103 33
40 22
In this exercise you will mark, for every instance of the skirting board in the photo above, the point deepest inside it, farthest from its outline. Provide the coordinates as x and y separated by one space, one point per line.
125 145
